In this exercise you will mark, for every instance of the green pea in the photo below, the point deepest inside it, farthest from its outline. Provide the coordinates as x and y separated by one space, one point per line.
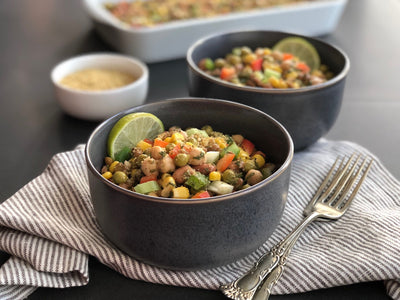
220 63
120 177
249 164
170 146
229 176
141 158
233 59
237 51
181 159
245 50
208 129
209 64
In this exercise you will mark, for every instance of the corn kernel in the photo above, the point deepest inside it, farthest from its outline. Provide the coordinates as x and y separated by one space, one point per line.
292 75
143 145
243 155
277 83
167 179
317 73
295 85
168 139
107 175
249 58
177 137
181 192
276 68
214 176
259 160
221 142
111 168
189 144
267 51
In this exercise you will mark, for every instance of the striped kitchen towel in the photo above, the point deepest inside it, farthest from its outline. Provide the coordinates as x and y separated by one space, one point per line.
50 229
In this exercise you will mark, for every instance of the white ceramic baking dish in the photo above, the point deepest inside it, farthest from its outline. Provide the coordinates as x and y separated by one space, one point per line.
171 40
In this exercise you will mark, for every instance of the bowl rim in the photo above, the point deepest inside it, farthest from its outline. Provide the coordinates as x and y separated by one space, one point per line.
285 165
100 56
330 82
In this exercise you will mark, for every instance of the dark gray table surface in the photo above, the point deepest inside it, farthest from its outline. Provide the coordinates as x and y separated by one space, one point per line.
35 35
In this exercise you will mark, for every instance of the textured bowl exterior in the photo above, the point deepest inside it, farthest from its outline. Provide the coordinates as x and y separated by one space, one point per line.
307 113
194 234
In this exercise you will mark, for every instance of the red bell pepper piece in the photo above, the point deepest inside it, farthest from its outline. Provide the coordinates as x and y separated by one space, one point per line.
201 194
247 146
256 64
148 178
225 161
160 143
303 67
175 151
287 56
227 73
148 141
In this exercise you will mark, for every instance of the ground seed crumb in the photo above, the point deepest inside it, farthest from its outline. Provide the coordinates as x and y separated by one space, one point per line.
97 79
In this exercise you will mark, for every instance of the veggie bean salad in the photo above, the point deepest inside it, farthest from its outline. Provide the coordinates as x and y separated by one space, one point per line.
192 163
153 12
265 68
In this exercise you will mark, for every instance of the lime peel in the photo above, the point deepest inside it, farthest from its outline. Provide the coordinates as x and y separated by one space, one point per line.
132 128
301 48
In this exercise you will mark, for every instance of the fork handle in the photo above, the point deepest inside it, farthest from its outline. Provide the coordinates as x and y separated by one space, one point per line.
270 263
284 247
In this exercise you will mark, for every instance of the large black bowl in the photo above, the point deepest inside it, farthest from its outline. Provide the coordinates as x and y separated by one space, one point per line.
307 113
194 233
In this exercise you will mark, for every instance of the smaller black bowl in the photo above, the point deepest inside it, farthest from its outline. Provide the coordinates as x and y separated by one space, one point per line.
194 233
307 113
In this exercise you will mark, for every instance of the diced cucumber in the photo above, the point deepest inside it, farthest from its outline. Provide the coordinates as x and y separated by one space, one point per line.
212 156
147 187
271 73
124 154
193 131
197 181
231 148
220 187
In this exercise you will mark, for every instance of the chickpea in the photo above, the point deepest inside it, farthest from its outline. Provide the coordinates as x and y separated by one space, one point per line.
166 164
157 152
197 156
149 166
238 138
253 176
108 160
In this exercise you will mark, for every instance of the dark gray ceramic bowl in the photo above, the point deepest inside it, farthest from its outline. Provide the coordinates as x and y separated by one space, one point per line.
193 234
307 113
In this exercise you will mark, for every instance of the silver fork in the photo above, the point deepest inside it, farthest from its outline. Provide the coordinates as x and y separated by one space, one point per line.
331 201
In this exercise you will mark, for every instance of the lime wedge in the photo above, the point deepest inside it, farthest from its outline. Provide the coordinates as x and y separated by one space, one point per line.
131 129
301 48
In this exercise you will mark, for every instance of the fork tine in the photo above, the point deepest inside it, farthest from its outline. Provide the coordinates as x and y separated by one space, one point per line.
338 181
323 185
357 187
342 181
